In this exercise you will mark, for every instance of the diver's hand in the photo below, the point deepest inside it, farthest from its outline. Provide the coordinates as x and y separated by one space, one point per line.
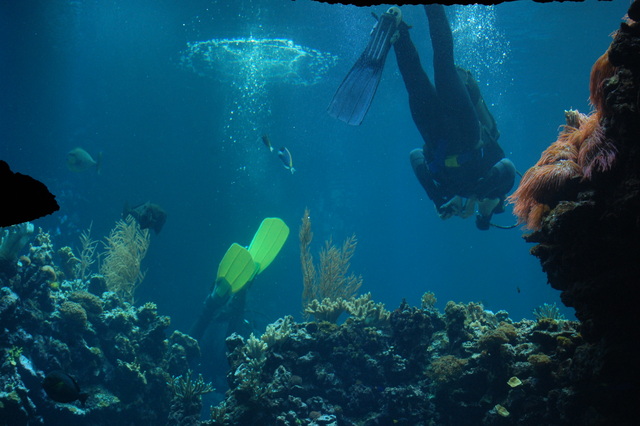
468 208
453 207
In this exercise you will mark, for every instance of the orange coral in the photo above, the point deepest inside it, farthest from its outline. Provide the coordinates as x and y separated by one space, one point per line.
580 150
602 70
558 151
596 153
541 185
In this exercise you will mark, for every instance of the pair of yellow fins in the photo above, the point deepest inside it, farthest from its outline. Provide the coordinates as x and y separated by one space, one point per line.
241 264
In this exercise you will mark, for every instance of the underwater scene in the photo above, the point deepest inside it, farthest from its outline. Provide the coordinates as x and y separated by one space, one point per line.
274 212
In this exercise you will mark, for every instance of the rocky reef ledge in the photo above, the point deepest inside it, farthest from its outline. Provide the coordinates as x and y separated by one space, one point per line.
589 246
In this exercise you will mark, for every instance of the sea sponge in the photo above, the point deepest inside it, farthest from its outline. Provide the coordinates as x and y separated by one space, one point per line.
91 303
49 272
447 368
542 363
73 316
491 341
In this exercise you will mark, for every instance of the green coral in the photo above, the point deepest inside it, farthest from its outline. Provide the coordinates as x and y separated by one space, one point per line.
548 311
189 389
13 355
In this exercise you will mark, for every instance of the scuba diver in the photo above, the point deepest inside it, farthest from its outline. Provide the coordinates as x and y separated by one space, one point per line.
236 271
461 166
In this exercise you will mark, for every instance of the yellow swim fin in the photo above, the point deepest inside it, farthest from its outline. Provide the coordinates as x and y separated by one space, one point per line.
239 265
235 270
267 242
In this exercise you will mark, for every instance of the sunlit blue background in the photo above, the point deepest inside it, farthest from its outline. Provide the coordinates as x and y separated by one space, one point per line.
106 76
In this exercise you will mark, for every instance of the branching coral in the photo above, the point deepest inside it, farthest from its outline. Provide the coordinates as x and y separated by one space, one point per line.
278 331
326 310
126 246
364 309
189 389
330 279
548 311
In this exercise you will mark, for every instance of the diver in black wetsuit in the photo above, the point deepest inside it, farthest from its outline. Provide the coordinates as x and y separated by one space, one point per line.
461 163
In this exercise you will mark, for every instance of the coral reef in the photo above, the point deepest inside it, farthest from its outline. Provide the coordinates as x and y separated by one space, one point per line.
405 371
119 354
589 240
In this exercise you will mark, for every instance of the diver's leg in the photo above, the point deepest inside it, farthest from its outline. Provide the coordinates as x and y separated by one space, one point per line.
419 165
449 87
210 309
497 181
422 94
492 190
237 319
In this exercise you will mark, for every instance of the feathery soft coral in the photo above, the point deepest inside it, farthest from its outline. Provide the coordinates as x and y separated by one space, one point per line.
580 150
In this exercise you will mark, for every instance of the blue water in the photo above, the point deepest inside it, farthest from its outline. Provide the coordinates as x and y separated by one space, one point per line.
106 76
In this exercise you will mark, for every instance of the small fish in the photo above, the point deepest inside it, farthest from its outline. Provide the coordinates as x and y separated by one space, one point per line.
518 289
79 160
286 158
61 387
267 142
148 215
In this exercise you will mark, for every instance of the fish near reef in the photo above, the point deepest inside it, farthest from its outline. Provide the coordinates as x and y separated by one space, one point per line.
79 160
148 216
61 387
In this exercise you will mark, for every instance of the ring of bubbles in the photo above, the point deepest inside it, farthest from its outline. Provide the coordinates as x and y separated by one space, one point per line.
268 60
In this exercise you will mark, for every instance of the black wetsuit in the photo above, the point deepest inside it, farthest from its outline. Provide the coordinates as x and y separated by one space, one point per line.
456 159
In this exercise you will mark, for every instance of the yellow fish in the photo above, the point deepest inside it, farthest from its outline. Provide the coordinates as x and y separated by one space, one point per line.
79 160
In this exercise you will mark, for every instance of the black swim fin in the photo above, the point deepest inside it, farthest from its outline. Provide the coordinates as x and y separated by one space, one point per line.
355 94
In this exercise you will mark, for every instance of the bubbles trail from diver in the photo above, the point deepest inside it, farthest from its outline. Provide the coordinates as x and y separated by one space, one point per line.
482 47
250 66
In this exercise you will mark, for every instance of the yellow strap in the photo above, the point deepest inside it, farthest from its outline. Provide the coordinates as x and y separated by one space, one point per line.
451 161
